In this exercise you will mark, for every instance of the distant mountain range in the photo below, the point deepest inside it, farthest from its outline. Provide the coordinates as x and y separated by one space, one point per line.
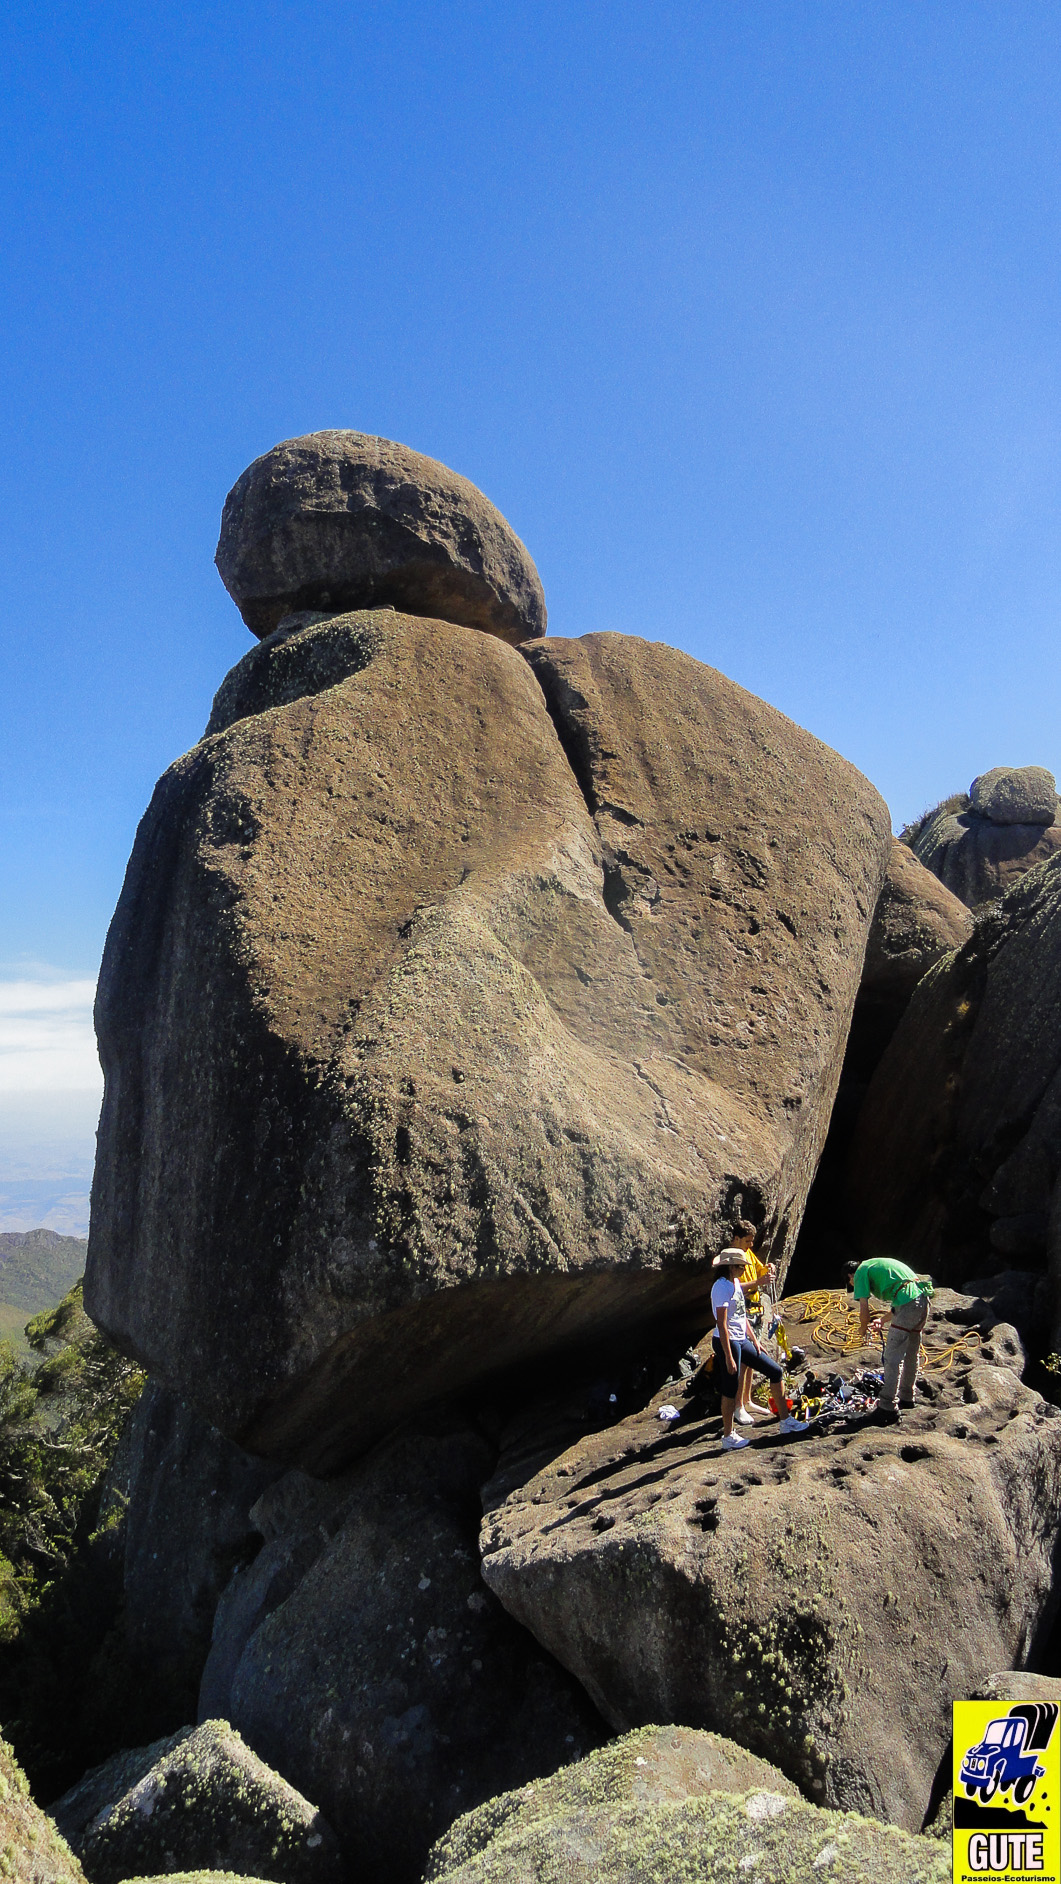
37 1267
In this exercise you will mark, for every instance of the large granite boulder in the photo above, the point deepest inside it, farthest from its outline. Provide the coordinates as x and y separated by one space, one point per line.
32 1850
667 1803
187 1494
362 1655
455 1010
958 1145
1008 823
209 1802
337 520
800 1595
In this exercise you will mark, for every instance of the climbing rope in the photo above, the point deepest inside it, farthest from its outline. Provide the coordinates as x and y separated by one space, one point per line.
835 1324
944 1358
837 1328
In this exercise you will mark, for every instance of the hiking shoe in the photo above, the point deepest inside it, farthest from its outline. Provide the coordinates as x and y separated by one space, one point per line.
907 1403
732 1441
793 1425
887 1415
742 1418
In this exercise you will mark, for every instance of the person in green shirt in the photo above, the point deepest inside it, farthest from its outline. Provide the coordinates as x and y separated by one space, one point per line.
908 1296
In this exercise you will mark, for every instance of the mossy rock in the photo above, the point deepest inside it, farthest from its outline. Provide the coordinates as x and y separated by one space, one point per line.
197 1877
209 1800
619 1817
32 1851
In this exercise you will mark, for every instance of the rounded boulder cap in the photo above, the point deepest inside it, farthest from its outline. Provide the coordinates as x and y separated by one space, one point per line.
1015 794
339 520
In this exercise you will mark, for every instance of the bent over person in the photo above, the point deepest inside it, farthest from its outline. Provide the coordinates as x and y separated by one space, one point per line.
908 1295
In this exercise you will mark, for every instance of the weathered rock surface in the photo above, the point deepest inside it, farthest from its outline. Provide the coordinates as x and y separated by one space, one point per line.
1020 794
186 1528
800 1595
961 1125
667 1803
211 1803
361 1654
1010 824
102 1786
916 922
424 1055
1017 1684
32 1850
338 520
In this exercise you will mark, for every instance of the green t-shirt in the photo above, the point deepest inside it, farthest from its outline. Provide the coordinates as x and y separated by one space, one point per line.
889 1281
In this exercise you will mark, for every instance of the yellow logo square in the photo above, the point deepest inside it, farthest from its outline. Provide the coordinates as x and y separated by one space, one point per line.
1007 1792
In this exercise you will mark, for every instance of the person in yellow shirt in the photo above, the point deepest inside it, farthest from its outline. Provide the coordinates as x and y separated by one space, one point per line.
755 1274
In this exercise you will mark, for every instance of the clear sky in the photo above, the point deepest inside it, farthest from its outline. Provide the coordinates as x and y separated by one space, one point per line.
747 317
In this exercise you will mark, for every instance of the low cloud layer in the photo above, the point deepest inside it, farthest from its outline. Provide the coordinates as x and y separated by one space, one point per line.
46 1038
50 1091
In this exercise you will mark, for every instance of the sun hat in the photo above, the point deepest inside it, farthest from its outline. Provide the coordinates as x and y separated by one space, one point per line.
730 1259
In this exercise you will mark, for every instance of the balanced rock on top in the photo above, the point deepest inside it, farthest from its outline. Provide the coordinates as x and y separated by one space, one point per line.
981 843
338 520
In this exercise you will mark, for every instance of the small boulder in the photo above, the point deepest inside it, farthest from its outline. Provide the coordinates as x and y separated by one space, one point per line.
32 1849
210 1803
669 1803
338 520
1021 794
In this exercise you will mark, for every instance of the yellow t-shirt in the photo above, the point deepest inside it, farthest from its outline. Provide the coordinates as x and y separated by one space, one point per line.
754 1270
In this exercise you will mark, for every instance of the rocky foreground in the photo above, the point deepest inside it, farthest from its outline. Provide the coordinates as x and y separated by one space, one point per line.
467 989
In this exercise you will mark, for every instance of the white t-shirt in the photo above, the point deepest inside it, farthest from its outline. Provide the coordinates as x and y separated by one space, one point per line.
728 1294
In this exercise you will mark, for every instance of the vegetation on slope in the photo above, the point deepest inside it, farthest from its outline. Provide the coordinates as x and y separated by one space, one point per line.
38 1267
60 1421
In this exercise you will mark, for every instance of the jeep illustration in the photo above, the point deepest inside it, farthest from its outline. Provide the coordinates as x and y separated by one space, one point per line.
1005 1756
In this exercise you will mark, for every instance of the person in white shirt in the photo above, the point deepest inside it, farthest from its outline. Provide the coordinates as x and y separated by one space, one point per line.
736 1345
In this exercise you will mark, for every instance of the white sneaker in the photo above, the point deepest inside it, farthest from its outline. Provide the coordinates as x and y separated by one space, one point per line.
742 1417
792 1425
732 1441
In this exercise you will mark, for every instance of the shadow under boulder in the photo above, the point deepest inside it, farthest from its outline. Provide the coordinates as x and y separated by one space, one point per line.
361 1654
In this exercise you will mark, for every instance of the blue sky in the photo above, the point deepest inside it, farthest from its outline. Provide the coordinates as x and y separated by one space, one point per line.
745 316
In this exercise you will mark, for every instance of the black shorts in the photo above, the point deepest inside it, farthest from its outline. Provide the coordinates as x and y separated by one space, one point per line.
746 1354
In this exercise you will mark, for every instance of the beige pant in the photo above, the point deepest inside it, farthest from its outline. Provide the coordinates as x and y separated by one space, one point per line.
904 1342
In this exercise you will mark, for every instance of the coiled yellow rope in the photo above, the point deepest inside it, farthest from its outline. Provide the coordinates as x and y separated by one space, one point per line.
836 1326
